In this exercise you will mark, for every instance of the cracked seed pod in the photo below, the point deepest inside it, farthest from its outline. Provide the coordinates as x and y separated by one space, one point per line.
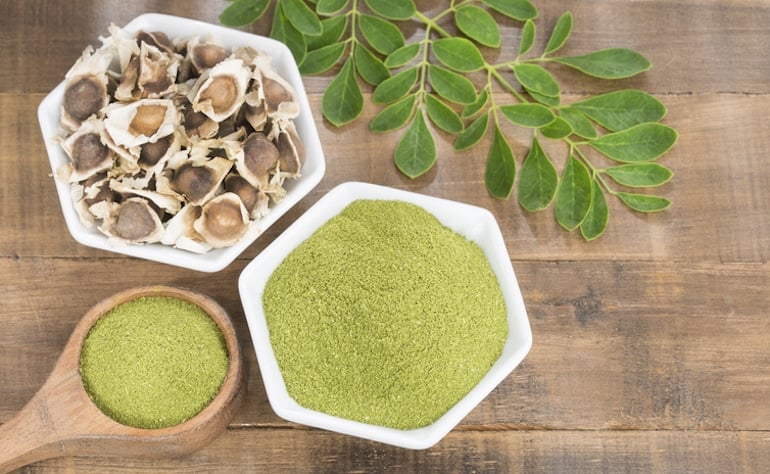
169 203
205 55
85 90
133 221
139 122
256 159
290 148
197 123
158 39
87 153
150 74
199 183
221 90
181 234
223 220
254 200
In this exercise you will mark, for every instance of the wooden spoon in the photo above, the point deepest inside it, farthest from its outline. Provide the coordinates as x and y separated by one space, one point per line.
61 420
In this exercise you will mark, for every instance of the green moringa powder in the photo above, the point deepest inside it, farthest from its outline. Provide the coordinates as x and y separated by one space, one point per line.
153 362
384 316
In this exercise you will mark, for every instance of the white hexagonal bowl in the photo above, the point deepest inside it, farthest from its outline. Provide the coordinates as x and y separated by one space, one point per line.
474 223
217 259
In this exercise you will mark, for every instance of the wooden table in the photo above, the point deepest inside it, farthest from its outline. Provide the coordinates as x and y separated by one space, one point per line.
651 345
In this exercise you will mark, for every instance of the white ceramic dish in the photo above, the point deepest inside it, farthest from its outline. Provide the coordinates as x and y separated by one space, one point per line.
217 259
474 223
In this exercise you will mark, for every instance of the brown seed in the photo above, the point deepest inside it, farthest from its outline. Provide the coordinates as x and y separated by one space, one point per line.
147 120
222 92
88 151
194 182
134 221
84 98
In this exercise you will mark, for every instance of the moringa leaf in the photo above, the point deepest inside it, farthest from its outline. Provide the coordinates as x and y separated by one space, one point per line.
416 151
458 54
283 31
473 133
538 179
322 59
560 33
579 123
528 114
573 196
393 9
402 55
443 116
517 9
544 99
393 116
612 63
527 37
330 7
369 67
333 28
475 107
622 109
598 215
536 79
302 17
478 25
243 12
557 129
501 167
640 175
450 85
343 102
643 142
395 87
644 202
382 35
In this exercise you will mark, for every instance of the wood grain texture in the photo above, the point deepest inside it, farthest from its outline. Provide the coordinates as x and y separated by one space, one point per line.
650 345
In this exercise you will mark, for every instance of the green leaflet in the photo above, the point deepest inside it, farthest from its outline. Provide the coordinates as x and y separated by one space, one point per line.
640 175
643 142
612 63
302 17
333 28
598 215
369 67
528 32
330 7
283 31
393 116
622 109
475 107
343 102
560 33
573 196
517 9
557 129
538 179
395 87
393 9
528 114
382 35
644 202
477 24
442 116
536 79
501 167
402 55
322 59
243 12
451 86
580 125
473 133
458 54
416 151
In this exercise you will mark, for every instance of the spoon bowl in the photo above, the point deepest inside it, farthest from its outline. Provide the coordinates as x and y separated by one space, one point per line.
61 419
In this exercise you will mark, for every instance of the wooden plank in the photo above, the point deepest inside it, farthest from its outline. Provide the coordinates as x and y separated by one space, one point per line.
721 211
314 451
617 345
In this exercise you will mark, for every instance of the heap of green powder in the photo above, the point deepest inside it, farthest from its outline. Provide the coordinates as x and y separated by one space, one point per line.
153 362
384 316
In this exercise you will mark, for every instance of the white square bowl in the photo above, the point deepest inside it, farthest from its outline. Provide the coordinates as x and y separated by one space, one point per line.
474 223
216 259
